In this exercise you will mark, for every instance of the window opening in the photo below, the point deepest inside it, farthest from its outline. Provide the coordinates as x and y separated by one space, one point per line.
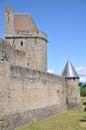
21 43
28 64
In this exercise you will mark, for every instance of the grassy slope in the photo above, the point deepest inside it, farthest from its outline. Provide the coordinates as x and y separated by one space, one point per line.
66 121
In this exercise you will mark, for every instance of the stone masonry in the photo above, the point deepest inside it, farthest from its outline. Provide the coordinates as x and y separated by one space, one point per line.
28 93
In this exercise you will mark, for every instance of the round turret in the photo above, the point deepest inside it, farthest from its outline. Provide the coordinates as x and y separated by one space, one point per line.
72 88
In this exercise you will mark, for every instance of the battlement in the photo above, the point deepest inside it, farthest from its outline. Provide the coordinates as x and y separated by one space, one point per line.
8 9
28 34
35 74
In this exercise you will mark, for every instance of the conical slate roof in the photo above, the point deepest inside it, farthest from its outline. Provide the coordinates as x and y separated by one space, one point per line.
69 71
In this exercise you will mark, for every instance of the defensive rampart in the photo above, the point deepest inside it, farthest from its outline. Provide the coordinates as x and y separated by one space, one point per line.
28 95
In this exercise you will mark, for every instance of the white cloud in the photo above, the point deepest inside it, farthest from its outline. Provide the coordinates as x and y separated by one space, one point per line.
51 71
81 70
82 73
54 72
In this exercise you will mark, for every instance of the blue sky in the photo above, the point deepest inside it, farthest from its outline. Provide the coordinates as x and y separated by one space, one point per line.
64 22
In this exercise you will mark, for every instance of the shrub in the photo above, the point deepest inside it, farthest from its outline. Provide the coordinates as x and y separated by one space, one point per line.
85 109
83 92
84 103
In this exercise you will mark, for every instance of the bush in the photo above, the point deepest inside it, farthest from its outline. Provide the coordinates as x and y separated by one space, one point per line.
83 92
84 103
85 109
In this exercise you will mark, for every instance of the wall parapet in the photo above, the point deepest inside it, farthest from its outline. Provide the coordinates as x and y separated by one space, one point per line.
32 73
28 34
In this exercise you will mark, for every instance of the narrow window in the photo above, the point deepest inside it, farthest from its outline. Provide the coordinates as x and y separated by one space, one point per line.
21 43
28 64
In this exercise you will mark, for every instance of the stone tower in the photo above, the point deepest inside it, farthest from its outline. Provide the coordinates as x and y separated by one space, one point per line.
22 34
72 88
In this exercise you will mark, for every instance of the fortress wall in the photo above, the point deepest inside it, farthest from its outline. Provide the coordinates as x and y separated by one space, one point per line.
4 93
30 95
36 89
12 55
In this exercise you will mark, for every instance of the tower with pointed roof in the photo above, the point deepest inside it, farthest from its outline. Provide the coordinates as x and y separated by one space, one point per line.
22 34
72 88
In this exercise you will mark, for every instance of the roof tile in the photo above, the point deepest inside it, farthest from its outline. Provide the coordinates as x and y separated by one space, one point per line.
24 22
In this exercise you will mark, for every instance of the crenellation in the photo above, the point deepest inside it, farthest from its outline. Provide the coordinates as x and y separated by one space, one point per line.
31 73
29 34
8 9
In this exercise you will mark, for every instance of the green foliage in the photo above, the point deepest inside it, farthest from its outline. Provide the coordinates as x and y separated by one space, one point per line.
84 103
85 109
82 89
80 84
83 92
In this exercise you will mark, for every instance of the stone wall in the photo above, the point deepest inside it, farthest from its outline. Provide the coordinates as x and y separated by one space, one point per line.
29 95
12 55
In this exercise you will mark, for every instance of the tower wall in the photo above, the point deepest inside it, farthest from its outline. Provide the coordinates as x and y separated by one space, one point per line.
9 21
36 51
33 43
73 94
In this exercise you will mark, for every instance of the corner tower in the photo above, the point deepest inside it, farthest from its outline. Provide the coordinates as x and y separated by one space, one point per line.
72 88
22 34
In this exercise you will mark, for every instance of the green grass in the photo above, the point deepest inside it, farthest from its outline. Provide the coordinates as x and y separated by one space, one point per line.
65 121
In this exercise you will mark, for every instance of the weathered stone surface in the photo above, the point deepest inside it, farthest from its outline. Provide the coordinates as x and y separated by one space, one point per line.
31 94
27 92
28 117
